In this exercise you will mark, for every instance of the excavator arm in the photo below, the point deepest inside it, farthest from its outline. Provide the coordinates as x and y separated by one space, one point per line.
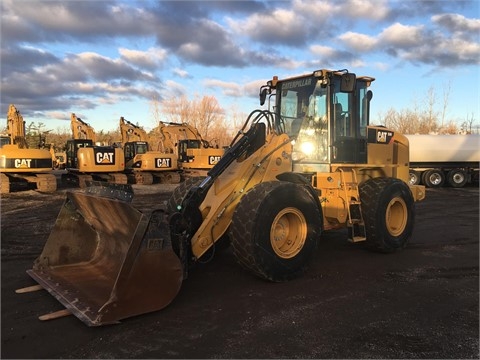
80 129
131 132
16 127
173 132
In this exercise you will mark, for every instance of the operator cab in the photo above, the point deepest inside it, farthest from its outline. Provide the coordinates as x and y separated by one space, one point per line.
71 150
326 113
133 148
183 146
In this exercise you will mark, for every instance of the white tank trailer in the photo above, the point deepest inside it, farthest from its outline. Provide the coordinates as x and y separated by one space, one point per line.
436 160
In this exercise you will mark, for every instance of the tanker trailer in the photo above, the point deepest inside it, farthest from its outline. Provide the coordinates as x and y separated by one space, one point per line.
436 160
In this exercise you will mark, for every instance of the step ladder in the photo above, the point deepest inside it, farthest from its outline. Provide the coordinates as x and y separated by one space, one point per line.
355 223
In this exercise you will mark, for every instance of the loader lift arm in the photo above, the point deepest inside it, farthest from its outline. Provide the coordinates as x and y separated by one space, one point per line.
185 222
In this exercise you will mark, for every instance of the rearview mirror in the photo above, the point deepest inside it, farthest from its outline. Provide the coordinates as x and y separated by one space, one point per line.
263 95
347 82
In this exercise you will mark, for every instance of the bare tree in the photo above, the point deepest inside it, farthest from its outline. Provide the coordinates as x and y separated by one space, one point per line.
416 121
204 113
446 96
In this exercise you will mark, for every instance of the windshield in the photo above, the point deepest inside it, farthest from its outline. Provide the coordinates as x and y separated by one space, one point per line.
141 147
300 100
303 110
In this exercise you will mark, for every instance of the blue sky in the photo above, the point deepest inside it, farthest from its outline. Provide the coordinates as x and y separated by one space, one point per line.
106 59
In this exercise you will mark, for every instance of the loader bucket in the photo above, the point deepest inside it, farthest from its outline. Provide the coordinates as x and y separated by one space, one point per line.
106 261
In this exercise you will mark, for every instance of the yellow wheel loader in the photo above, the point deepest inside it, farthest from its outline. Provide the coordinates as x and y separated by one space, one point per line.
311 164
86 161
21 165
142 164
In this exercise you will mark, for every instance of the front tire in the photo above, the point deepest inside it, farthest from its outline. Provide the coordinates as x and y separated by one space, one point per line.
174 204
274 230
388 212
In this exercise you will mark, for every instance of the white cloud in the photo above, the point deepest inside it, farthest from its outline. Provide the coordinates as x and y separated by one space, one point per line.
366 9
359 42
228 88
151 58
181 73
457 23
402 35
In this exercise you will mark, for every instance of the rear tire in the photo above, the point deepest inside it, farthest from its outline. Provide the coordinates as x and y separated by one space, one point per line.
433 178
457 178
274 230
415 177
388 212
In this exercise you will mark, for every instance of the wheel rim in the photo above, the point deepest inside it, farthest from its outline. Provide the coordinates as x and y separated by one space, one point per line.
396 216
458 178
288 233
413 179
435 178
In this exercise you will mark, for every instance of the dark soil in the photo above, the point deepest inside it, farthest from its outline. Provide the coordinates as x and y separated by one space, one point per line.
422 302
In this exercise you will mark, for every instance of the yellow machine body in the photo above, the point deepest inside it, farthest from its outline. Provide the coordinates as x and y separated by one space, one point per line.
18 163
290 174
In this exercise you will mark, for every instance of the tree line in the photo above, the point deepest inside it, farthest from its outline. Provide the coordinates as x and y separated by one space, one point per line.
218 125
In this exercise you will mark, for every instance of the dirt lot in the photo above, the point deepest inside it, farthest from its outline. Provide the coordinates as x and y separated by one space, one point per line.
422 302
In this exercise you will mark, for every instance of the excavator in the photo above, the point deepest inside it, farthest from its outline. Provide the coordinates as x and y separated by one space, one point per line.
142 163
308 163
86 162
195 155
19 164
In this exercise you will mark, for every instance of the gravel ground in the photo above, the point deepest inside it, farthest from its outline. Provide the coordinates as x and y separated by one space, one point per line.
422 302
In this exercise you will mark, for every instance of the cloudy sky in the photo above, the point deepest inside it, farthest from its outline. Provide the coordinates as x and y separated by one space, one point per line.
106 59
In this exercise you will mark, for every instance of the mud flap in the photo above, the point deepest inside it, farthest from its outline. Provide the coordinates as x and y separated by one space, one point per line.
106 261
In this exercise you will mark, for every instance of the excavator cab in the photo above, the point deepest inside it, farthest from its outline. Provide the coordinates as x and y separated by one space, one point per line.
184 146
72 147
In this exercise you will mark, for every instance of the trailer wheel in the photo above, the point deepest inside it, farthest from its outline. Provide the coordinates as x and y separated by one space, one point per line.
457 178
415 177
274 230
389 213
433 178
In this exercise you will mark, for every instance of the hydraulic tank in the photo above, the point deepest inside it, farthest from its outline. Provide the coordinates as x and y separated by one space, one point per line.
444 148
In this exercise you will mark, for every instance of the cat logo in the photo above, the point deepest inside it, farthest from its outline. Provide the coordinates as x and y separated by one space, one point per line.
22 163
384 136
104 158
163 163
213 159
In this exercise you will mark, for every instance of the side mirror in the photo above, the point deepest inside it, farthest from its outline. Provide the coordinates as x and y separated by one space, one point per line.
263 95
347 82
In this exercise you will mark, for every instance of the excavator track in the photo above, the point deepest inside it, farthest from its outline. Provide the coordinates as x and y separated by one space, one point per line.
46 183
4 184
117 178
169 178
